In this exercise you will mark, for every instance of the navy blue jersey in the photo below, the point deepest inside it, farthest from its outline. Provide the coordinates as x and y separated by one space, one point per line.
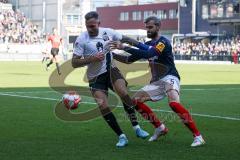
160 57
162 63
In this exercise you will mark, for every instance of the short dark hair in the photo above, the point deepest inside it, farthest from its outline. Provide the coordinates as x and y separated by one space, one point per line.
91 15
156 20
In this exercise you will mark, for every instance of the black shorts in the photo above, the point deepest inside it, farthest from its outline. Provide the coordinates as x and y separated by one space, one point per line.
54 51
105 80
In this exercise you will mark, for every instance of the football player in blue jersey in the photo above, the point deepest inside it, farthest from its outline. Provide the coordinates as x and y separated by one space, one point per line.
165 77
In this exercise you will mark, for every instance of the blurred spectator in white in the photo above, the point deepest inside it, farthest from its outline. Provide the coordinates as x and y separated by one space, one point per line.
16 28
4 1
224 47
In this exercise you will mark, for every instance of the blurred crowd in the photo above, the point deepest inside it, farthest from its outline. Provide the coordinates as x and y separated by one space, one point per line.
215 47
16 28
4 1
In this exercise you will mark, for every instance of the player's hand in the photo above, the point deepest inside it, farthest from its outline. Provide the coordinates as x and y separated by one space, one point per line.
98 57
116 45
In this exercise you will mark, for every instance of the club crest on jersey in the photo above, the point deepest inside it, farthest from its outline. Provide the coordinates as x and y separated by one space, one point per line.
99 46
160 47
105 37
76 44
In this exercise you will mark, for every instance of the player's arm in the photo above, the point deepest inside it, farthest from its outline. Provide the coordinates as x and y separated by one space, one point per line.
78 60
136 53
141 53
125 39
124 58
144 51
128 40
134 43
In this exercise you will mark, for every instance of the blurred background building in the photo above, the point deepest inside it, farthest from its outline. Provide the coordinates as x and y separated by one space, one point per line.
195 27
129 19
212 16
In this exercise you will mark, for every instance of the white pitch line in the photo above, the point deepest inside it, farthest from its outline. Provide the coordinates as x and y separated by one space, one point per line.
28 97
209 89
156 110
202 115
203 89
185 89
30 92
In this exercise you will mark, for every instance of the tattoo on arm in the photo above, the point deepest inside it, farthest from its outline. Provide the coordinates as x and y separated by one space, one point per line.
78 61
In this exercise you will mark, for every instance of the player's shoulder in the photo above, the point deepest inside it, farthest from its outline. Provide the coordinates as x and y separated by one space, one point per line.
82 37
106 30
163 43
164 40
109 33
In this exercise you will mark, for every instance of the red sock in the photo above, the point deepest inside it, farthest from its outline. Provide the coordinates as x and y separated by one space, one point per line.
148 114
185 116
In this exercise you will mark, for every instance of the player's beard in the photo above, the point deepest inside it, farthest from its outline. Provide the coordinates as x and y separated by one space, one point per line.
152 35
94 33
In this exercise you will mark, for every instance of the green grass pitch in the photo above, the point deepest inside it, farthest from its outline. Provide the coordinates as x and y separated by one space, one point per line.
29 128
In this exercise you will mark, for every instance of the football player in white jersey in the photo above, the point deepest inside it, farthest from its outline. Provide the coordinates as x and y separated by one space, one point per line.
91 50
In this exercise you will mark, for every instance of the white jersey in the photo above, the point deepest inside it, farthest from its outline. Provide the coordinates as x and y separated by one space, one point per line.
86 46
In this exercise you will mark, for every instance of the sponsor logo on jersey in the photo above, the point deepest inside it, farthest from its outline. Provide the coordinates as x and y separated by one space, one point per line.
105 36
160 47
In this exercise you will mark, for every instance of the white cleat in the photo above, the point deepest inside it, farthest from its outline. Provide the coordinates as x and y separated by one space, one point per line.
158 132
198 141
141 133
123 141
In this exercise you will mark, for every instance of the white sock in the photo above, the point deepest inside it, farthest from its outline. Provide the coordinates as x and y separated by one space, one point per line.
200 136
161 127
136 127
122 135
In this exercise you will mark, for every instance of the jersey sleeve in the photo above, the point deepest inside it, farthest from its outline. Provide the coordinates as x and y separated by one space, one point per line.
139 53
116 36
161 46
143 46
78 47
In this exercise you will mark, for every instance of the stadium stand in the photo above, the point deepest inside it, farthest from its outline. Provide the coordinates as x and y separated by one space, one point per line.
20 39
221 50
4 1
15 27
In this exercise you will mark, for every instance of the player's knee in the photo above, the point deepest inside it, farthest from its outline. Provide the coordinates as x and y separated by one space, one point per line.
122 93
138 100
105 111
102 107
101 103
173 96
